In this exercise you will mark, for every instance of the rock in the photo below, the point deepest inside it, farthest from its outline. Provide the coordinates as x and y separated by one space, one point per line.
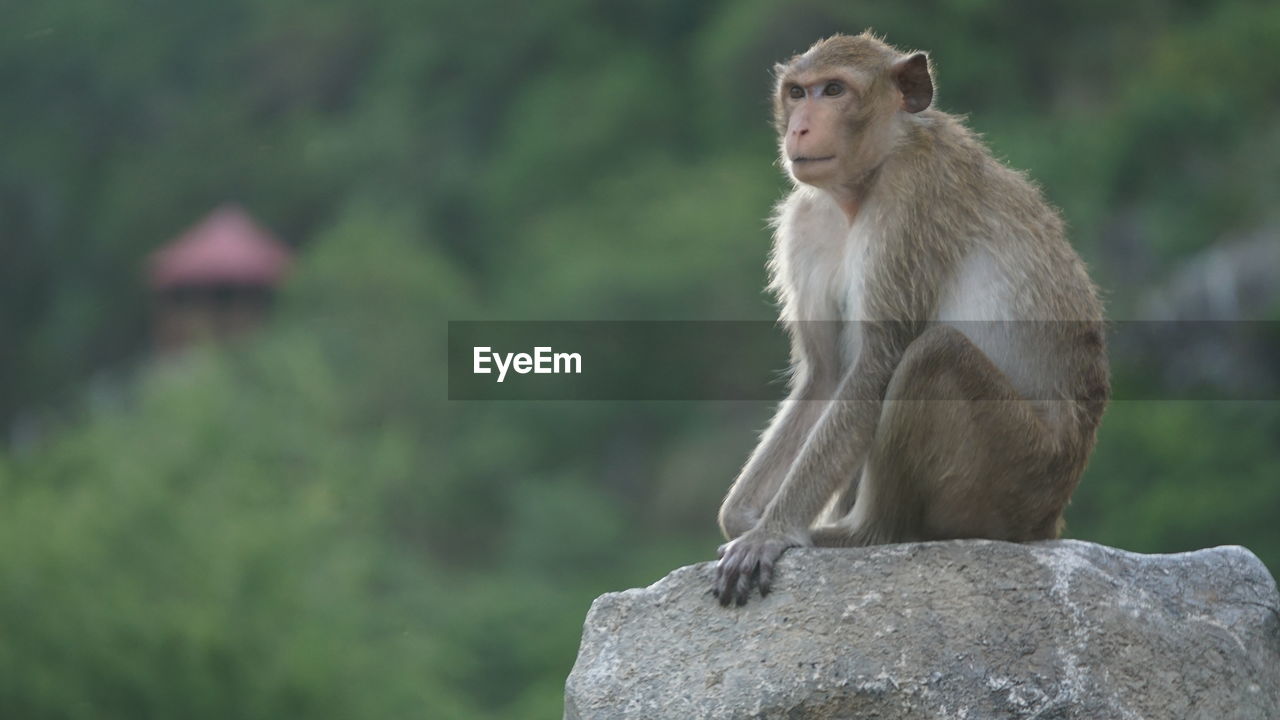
964 629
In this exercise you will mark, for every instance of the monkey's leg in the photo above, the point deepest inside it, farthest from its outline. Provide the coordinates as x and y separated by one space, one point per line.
957 453
844 499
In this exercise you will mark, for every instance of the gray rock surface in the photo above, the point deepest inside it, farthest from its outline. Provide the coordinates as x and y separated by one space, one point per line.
965 629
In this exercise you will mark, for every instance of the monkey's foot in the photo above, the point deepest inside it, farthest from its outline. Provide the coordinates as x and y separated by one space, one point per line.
748 561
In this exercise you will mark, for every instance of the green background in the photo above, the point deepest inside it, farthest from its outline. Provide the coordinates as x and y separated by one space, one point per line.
302 525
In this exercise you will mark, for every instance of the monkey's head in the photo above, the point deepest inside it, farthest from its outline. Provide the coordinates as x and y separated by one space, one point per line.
839 106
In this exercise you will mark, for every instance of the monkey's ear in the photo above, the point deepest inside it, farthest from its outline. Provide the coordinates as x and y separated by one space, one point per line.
911 75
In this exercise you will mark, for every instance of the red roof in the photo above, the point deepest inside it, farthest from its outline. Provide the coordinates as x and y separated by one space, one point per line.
226 248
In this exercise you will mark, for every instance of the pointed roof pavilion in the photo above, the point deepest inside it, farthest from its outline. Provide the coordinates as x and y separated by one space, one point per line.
225 248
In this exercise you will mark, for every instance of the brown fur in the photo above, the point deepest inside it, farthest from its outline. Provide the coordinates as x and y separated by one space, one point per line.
917 433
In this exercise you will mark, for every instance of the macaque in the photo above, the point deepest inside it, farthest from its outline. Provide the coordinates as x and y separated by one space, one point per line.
948 362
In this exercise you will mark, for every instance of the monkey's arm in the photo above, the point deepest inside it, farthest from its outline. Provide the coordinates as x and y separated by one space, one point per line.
835 449
767 467
814 382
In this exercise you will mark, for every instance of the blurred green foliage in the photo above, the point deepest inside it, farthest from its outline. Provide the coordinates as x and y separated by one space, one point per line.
303 525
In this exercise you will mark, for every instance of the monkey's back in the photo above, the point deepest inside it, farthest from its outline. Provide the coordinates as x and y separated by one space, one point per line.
1017 287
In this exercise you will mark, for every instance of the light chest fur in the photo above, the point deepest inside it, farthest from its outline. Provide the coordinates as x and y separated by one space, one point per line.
819 265
821 262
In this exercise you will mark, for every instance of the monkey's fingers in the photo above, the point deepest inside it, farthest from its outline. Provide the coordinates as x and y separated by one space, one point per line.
746 579
766 576
726 589
726 580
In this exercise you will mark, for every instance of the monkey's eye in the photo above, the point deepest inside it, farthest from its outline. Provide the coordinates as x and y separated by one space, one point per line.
796 92
833 89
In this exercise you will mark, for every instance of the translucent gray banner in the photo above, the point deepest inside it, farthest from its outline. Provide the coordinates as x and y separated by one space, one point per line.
747 360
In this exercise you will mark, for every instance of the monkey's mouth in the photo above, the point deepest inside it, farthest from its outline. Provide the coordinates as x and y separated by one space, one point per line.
803 159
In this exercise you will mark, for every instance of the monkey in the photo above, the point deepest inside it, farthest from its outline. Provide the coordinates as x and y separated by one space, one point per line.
948 366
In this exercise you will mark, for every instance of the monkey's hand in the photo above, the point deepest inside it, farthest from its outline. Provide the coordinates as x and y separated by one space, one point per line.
748 560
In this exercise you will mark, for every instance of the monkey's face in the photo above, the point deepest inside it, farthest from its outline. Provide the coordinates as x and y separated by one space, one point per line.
816 106
838 105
